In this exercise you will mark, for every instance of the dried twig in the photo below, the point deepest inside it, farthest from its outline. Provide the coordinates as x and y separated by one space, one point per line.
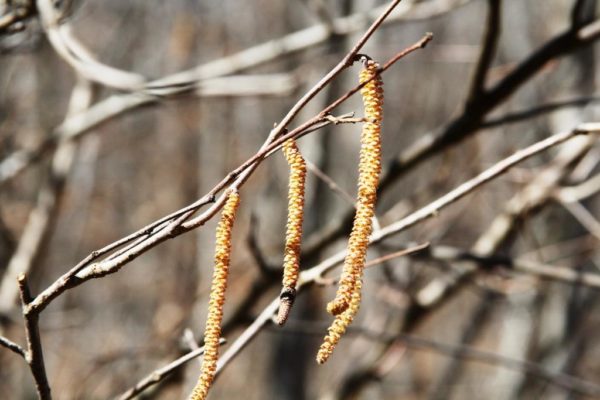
34 355
160 374
12 346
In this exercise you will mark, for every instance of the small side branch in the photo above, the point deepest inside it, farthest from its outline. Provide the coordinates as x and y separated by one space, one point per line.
160 374
12 346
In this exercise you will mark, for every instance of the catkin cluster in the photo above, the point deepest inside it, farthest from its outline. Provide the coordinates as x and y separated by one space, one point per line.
368 180
212 332
347 302
339 325
293 236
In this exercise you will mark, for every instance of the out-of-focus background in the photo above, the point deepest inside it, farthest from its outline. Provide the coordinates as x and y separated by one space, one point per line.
498 331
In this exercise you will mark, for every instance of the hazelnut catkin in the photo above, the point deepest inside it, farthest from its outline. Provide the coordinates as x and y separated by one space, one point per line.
368 179
340 324
293 236
212 332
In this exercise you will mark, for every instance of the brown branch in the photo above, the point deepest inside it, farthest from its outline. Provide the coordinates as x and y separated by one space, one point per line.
34 355
488 50
160 374
486 262
519 116
12 346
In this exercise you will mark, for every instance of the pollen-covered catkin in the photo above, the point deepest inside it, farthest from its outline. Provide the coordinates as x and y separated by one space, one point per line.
340 324
293 236
368 180
212 332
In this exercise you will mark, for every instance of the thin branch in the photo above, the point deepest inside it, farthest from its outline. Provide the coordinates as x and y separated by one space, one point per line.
584 217
254 247
554 272
34 355
520 116
490 43
12 346
329 181
160 374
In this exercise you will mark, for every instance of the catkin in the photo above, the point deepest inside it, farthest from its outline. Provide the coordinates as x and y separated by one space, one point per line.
368 179
340 324
293 237
212 332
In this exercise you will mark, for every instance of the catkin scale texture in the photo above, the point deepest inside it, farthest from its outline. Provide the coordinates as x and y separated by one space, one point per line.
339 325
293 236
212 332
368 180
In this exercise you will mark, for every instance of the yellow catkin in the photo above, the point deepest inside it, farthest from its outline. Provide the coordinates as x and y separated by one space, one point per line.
293 237
212 332
368 179
340 324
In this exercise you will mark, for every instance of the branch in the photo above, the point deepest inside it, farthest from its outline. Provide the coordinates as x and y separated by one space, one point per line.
34 355
557 273
519 116
158 375
12 346
490 43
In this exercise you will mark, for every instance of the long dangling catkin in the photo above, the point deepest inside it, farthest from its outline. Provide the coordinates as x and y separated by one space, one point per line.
368 179
212 332
340 324
293 236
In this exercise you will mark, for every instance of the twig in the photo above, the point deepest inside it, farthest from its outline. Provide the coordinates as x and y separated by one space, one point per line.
12 346
330 182
554 272
490 43
254 247
584 217
519 116
158 375
34 355
402 253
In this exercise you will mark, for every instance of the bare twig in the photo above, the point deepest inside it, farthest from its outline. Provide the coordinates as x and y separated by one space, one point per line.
490 43
538 110
34 355
12 346
160 374
553 272
330 182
